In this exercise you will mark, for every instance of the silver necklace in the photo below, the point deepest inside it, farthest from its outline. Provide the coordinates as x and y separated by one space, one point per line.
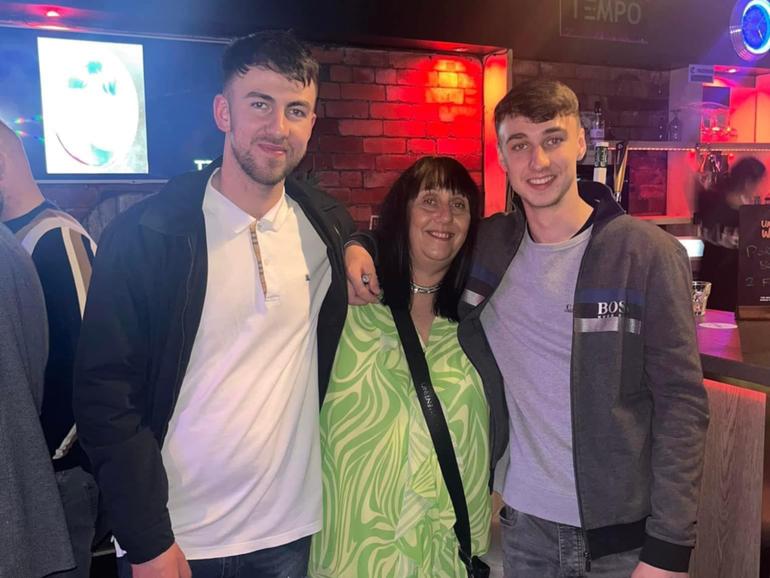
423 289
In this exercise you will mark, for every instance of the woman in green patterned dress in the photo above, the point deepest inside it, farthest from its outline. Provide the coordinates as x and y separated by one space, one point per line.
387 512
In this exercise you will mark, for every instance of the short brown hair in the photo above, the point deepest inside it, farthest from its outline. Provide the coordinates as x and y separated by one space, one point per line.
276 50
538 100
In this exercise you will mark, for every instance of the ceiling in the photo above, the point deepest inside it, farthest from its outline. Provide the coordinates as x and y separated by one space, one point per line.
676 32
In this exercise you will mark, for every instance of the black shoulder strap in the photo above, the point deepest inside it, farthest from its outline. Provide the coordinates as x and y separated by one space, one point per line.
439 431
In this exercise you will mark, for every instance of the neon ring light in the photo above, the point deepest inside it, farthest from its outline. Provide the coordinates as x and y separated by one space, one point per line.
750 28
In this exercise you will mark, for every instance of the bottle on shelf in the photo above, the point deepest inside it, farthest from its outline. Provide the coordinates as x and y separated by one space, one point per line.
662 129
675 127
597 125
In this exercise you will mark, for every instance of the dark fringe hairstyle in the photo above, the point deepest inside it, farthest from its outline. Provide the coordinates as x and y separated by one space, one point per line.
538 100
276 50
395 265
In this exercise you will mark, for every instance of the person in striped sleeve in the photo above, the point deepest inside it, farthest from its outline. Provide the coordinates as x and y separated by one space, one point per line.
62 252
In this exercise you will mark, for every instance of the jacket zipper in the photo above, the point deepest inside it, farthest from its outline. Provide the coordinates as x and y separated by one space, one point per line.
587 553
177 383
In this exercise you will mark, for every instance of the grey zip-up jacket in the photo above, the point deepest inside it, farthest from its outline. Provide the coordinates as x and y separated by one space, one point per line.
639 407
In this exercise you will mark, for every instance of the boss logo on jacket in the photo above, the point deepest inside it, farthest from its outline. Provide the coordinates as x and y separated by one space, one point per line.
598 310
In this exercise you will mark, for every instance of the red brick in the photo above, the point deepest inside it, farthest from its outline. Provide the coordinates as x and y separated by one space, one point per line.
406 94
380 179
363 74
448 64
329 91
467 81
325 126
320 161
385 76
327 178
389 110
353 161
407 60
361 127
454 112
342 194
339 73
327 55
341 144
471 162
373 196
395 162
447 79
459 146
347 109
361 213
351 179
403 128
526 68
362 57
462 128
421 146
417 77
384 145
363 91
442 95
402 111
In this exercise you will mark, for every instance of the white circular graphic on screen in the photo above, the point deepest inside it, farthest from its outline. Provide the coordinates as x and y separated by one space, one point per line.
97 113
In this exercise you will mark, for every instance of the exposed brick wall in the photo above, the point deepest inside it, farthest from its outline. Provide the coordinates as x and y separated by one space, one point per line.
382 110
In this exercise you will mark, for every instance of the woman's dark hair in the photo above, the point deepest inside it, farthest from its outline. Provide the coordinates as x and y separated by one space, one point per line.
711 200
747 171
395 264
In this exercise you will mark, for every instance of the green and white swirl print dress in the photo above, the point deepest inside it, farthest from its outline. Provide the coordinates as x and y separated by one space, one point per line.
387 512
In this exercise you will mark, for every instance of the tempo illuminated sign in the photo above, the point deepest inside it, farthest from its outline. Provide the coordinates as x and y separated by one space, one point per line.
750 28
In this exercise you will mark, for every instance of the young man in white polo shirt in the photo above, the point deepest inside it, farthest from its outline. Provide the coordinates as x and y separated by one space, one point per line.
212 322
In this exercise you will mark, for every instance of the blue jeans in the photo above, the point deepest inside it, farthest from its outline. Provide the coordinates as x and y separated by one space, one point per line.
80 499
286 561
536 548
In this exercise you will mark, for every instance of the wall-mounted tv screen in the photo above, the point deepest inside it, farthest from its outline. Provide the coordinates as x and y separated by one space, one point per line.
96 107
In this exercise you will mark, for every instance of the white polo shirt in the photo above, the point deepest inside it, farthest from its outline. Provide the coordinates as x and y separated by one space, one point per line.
242 451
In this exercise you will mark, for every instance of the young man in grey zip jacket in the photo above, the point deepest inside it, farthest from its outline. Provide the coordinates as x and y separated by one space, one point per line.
588 314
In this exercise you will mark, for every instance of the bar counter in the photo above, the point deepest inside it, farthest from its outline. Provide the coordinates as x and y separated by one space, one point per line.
734 506
738 355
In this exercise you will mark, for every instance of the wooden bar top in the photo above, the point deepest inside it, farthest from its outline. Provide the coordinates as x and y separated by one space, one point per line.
735 352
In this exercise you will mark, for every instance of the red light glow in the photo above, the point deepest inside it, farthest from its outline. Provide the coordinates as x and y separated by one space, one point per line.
52 13
732 70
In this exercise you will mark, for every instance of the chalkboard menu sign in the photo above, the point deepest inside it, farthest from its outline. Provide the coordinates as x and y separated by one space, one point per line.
754 262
